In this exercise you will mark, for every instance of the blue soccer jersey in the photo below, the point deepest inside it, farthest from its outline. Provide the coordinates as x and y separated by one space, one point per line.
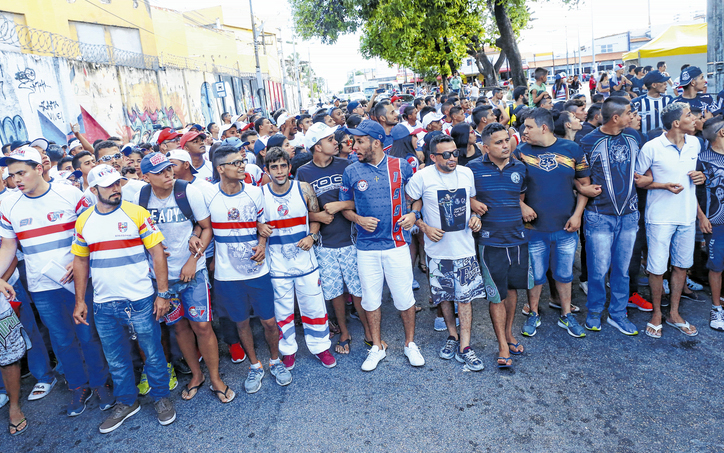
378 191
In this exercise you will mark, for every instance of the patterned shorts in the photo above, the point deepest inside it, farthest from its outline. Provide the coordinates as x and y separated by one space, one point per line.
338 267
455 280
13 339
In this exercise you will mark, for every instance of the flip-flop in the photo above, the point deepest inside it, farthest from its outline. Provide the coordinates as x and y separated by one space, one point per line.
224 394
188 390
515 351
505 365
656 329
680 326
343 344
15 427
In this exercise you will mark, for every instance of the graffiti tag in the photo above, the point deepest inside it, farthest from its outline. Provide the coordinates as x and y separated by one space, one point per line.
12 129
26 77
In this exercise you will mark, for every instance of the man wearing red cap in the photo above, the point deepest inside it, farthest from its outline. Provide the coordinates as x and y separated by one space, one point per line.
618 81
193 142
168 140
396 102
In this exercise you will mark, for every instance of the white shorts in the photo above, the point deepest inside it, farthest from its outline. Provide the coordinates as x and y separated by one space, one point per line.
664 241
394 266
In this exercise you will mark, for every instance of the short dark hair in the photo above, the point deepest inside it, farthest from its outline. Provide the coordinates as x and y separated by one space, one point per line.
648 68
128 169
219 156
208 126
425 110
353 121
560 124
225 114
259 123
248 133
638 70
542 116
447 105
417 101
519 92
671 113
660 64
436 140
593 110
378 110
319 117
712 126
455 109
631 67
613 106
409 110
274 154
64 161
597 98
497 90
479 113
489 130
302 117
573 104
78 157
54 152
6 148
540 72
103 145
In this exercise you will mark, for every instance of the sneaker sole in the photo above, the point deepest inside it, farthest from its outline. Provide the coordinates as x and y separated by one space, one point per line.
461 360
592 329
238 361
169 421
615 324
282 384
444 357
718 329
117 425
172 388
144 393
560 324
325 365
74 414
375 367
290 368
639 307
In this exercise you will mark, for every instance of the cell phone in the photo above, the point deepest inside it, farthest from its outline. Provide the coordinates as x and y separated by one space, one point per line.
257 110
381 90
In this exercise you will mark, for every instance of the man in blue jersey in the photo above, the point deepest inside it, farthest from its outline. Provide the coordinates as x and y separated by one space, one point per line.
376 184
653 102
693 82
611 216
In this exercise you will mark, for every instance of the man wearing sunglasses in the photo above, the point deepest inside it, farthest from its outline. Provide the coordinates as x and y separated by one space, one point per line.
446 190
107 152
168 140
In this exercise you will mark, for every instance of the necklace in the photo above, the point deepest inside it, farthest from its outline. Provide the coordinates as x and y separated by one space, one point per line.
453 190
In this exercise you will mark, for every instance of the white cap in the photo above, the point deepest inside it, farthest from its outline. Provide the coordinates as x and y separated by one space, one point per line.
73 144
430 118
283 117
103 175
24 153
183 156
226 127
6 174
317 132
40 143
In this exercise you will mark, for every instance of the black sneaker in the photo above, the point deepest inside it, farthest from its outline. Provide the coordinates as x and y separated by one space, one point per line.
78 398
696 297
119 414
165 411
182 367
105 395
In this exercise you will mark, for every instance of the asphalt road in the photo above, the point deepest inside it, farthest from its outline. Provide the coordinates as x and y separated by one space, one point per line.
603 393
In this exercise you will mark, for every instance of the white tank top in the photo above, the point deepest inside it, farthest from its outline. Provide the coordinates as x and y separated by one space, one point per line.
288 214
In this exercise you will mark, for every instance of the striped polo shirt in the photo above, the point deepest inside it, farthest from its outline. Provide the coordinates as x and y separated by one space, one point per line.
500 191
43 226
116 243
650 110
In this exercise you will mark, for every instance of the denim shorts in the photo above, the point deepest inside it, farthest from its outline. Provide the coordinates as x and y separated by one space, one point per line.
557 249
238 297
715 245
192 300
664 239
338 268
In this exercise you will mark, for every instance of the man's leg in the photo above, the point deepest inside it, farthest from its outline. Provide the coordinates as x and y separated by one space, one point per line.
11 378
498 315
625 238
148 330
284 314
372 278
314 312
398 274
599 245
678 280
95 362
563 256
247 340
539 247
114 333
658 238
682 258
347 261
448 313
38 359
715 285
330 272
465 313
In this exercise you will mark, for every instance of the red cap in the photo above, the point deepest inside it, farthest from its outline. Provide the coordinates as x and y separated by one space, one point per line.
167 134
619 66
190 135
250 125
395 98
417 131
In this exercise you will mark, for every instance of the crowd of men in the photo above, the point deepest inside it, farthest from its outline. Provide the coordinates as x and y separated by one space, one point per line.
119 256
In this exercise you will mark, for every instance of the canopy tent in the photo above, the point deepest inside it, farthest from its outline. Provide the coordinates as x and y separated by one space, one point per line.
676 40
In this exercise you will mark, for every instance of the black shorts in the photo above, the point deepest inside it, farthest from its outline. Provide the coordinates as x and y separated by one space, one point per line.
505 268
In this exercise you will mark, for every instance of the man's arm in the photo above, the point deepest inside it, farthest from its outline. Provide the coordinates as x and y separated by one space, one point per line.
81 270
160 268
8 247
197 245
81 138
408 220
313 206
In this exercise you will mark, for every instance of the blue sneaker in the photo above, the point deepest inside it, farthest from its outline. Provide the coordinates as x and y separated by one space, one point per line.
471 361
569 323
533 321
78 398
625 326
415 285
593 322
448 350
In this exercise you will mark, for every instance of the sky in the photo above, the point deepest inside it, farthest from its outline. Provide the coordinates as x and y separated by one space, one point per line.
547 32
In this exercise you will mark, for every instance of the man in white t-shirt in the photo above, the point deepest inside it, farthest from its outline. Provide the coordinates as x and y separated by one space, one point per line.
446 190
170 203
666 167
193 143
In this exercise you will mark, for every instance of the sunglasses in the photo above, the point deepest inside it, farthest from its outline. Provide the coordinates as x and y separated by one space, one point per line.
177 139
236 163
447 154
349 142
110 157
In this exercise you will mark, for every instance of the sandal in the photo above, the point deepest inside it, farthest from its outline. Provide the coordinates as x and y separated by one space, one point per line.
224 394
334 329
186 392
505 362
342 344
515 350
423 268
657 330
418 309
15 427
41 390
683 327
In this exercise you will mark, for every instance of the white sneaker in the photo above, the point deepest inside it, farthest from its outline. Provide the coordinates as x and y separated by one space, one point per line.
413 355
584 287
717 319
692 285
439 325
666 287
374 356
3 400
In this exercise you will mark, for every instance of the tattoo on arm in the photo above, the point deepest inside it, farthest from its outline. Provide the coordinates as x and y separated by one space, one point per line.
409 201
312 201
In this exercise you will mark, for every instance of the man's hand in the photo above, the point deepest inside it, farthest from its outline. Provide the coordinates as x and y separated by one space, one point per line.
705 225
368 224
161 307
74 127
334 207
642 181
323 217
573 224
188 271
697 177
528 213
475 224
68 277
306 243
196 247
264 230
673 187
591 190
478 207
80 313
435 234
407 221
259 253
7 290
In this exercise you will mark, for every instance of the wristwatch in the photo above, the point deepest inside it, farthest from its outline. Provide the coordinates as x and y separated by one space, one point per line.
315 236
165 295
418 216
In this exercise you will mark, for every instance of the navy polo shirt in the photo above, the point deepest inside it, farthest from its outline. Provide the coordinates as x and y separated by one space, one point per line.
500 191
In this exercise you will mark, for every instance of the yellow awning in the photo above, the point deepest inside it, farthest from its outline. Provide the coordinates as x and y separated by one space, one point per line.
676 40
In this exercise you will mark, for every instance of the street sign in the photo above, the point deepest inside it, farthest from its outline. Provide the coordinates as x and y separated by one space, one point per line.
220 89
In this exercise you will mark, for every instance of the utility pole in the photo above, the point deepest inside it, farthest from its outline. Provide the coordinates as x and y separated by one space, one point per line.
568 69
309 73
296 68
260 92
284 69
593 46
715 44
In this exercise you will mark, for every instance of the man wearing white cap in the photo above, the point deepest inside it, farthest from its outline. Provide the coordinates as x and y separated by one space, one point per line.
226 131
41 216
432 121
193 143
110 244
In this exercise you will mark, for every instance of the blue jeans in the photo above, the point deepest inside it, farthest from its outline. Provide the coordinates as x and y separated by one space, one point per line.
117 321
609 243
56 311
38 359
557 249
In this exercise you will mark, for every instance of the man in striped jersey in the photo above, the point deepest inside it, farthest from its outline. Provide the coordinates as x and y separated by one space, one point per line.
41 216
110 244
653 102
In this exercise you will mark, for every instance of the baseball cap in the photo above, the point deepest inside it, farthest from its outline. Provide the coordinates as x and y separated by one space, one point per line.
317 132
129 148
65 174
259 145
368 127
6 174
103 175
689 74
18 143
654 77
275 140
167 134
225 128
198 127
430 135
431 118
351 106
399 132
395 98
24 153
283 117
40 143
154 163
183 156
619 66
73 144
190 135
234 142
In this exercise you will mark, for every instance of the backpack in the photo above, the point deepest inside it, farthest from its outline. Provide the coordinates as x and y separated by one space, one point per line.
179 191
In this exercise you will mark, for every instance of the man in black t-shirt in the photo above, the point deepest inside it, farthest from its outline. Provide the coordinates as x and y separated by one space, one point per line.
336 253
